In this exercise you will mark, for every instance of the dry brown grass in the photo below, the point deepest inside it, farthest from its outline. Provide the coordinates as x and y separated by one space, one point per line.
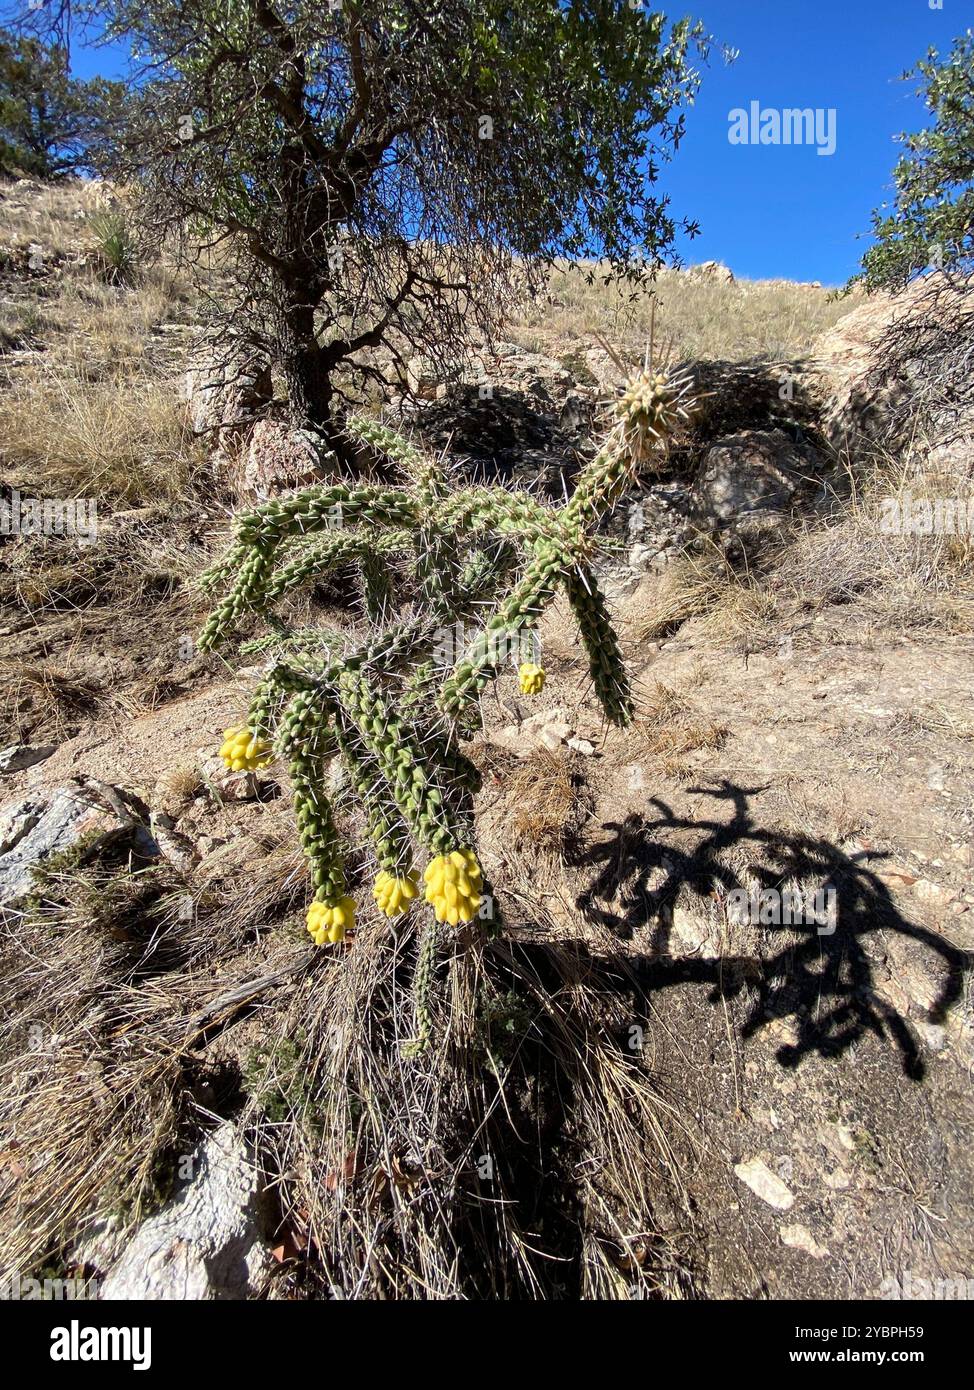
692 585
47 702
524 1154
769 319
90 406
50 214
112 442
89 1095
892 583
178 787
844 564
544 795
111 980
670 727
432 1179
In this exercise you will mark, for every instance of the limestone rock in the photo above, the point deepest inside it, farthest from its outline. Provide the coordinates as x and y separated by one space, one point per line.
23 755
208 1242
749 478
85 814
276 459
173 846
225 390
801 1238
549 729
233 786
693 932
756 1175
583 746
423 378
712 270
894 368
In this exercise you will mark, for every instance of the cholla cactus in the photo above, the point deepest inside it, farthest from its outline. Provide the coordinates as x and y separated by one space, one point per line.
390 707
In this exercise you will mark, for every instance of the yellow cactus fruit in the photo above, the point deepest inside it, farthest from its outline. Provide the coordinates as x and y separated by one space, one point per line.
393 895
453 884
531 677
243 751
328 923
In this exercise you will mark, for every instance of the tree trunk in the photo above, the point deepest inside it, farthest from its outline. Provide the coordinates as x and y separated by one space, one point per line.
308 387
308 378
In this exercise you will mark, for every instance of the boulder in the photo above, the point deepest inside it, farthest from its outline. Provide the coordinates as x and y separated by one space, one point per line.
22 755
732 396
225 390
423 378
275 459
604 368
897 368
85 816
712 270
208 1243
749 479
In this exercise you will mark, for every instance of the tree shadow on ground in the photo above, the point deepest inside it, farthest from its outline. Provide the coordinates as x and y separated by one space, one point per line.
824 981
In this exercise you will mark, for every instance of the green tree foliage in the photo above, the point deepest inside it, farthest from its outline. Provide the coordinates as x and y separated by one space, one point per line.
386 172
931 225
50 122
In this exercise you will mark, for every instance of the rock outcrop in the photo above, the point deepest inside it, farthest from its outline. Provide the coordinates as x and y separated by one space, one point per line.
225 390
750 479
898 370
208 1243
86 816
275 459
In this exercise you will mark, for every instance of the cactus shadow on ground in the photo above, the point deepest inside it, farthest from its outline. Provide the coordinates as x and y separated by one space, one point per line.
824 981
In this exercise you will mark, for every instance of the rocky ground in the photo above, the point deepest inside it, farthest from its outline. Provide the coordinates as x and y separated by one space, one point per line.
803 720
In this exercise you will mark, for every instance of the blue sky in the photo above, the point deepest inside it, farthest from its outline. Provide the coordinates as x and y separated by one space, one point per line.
784 210
768 210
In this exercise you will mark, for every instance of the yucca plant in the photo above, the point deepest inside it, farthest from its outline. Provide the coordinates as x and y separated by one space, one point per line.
391 707
114 245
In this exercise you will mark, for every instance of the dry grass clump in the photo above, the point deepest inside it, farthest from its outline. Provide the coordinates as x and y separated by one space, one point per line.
112 979
133 566
670 728
105 632
887 583
95 332
113 442
520 1157
46 701
771 319
178 787
689 587
897 582
89 1067
24 325
544 793
745 617
277 886
849 558
525 1154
